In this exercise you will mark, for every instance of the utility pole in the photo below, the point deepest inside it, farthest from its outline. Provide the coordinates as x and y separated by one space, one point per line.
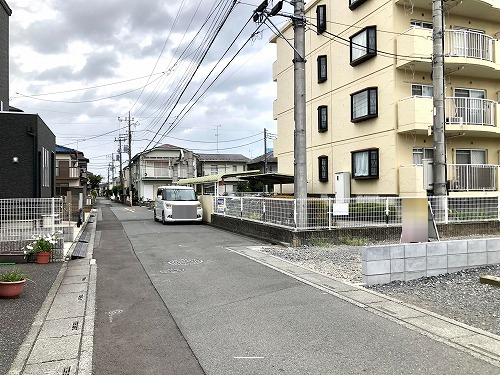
299 93
439 166
265 150
129 120
120 140
299 62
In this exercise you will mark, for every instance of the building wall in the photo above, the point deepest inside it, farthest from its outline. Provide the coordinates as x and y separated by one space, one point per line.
386 131
22 179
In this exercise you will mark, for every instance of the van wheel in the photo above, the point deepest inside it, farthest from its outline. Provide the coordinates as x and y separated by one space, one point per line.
163 221
154 215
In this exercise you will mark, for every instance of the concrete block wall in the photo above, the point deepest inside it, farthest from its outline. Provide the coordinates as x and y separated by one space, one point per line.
386 263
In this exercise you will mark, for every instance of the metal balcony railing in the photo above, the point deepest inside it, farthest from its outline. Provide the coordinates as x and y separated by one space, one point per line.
469 44
470 111
68 172
472 177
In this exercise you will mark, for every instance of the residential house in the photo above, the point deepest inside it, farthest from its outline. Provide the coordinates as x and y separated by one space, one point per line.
71 172
265 163
213 164
161 165
369 96
27 157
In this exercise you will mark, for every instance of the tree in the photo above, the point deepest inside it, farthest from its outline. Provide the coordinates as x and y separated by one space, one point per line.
94 180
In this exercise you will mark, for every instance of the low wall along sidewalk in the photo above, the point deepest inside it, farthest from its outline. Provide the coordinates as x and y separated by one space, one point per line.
383 264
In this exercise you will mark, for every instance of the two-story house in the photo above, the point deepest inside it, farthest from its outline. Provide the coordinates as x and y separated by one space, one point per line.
213 164
369 96
71 172
161 165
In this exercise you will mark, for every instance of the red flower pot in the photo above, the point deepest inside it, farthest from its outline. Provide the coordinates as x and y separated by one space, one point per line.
43 257
11 289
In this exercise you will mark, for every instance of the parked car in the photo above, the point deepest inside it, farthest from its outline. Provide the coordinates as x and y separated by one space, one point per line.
177 203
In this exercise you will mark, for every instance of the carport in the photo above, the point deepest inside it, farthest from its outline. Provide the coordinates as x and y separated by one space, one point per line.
271 179
215 179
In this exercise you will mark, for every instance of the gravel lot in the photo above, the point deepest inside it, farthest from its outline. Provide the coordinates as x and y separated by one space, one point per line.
458 296
17 315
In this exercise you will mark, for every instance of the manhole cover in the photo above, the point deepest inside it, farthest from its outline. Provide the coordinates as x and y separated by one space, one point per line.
185 262
173 270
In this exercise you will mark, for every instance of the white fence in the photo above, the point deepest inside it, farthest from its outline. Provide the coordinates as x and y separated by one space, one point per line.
24 218
331 213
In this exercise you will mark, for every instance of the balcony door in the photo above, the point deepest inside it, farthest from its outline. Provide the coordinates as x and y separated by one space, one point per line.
471 106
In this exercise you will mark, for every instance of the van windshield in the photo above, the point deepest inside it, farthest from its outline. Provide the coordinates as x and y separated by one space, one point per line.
178 195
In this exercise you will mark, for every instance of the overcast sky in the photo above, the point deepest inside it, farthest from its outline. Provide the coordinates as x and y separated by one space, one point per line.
83 64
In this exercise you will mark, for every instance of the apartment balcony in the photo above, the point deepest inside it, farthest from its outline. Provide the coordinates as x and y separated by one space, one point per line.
472 177
480 9
467 116
467 53
462 178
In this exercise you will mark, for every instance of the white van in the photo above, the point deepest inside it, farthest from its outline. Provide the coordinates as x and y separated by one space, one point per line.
177 203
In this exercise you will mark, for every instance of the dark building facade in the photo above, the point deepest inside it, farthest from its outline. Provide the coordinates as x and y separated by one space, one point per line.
5 13
27 157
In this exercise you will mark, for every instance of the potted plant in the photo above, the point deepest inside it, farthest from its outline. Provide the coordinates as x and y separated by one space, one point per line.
12 283
42 247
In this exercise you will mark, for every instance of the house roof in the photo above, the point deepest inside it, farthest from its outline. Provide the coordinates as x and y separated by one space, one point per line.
6 7
223 157
64 150
213 177
260 159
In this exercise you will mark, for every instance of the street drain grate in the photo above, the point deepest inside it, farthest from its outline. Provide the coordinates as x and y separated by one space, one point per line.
173 270
185 262
66 370
74 327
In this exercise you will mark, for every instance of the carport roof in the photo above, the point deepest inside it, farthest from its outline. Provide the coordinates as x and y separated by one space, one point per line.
214 177
270 178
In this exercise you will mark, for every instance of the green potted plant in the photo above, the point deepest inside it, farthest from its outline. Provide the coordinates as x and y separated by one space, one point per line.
12 283
42 247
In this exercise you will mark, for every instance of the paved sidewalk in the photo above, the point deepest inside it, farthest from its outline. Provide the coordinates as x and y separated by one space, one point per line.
60 340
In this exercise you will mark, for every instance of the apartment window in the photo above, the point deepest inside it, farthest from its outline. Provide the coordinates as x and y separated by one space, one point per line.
322 71
422 90
363 45
364 104
471 156
213 169
322 118
420 153
235 168
421 24
353 4
365 163
320 18
323 168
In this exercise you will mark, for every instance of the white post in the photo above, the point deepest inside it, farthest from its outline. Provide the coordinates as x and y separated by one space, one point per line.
329 213
53 215
445 198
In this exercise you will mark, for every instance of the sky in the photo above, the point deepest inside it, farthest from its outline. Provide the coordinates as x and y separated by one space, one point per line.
84 65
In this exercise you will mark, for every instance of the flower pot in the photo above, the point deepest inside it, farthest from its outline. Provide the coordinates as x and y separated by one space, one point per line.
43 257
11 289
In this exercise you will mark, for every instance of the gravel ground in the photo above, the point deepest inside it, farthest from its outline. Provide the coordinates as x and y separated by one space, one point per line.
17 315
458 296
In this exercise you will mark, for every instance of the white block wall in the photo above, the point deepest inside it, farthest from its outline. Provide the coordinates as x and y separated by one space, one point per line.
386 263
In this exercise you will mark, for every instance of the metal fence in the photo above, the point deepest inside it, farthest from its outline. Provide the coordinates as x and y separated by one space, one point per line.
332 213
24 218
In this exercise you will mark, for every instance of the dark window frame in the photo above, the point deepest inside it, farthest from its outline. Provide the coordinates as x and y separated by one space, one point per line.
320 19
370 48
371 114
322 125
322 60
353 4
323 173
373 164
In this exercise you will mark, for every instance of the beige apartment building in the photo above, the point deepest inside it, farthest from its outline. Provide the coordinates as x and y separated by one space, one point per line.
369 96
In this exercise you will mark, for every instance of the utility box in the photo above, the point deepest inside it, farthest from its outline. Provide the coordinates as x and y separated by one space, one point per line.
342 185
428 174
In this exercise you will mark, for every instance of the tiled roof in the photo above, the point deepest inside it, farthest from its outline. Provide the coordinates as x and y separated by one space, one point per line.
64 150
260 159
222 157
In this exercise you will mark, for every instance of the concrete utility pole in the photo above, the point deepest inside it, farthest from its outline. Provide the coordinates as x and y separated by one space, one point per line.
129 120
439 167
300 166
265 150
120 139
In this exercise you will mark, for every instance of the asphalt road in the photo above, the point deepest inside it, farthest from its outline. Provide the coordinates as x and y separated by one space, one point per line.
175 299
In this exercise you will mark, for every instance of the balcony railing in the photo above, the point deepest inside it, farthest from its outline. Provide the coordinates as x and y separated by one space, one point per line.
468 44
470 111
472 177
68 172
